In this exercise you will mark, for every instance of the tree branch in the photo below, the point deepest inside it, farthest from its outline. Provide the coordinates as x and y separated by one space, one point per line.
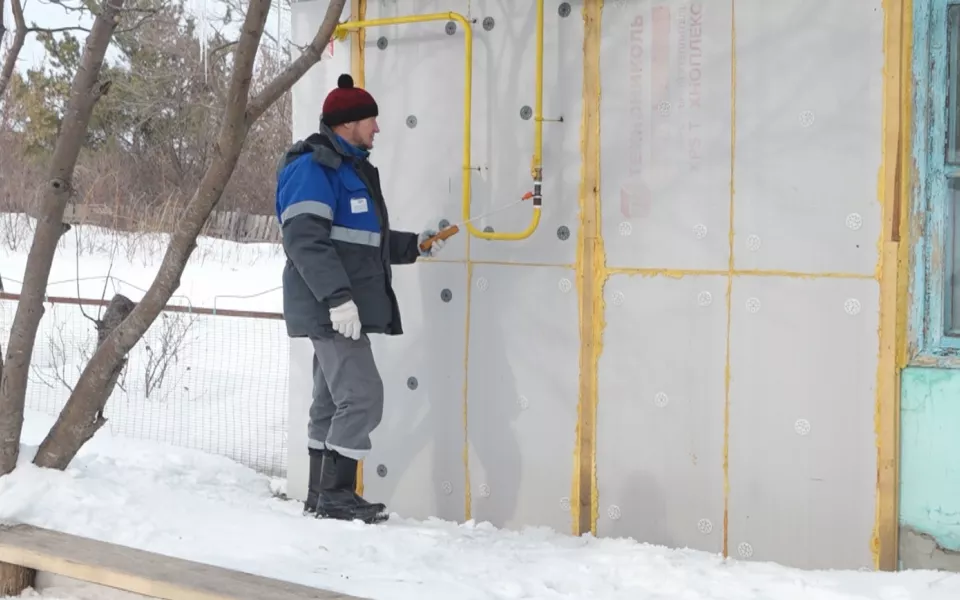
212 53
19 37
3 19
244 58
91 6
310 56
35 29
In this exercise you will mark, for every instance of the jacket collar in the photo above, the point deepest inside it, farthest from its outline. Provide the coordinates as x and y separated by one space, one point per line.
341 145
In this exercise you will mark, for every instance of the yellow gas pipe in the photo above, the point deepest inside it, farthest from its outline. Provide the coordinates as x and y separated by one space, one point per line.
536 165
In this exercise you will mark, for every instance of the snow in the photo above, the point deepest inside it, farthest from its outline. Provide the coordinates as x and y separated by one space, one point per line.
186 497
220 274
46 595
190 392
193 505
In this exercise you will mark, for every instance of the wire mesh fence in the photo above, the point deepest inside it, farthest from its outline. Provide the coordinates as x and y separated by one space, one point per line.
211 380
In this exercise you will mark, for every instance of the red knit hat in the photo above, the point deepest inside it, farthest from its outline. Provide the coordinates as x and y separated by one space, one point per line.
347 103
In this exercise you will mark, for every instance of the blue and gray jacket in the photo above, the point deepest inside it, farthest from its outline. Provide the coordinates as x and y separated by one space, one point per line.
337 238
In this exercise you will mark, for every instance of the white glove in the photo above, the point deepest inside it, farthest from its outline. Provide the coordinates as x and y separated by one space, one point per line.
435 246
346 320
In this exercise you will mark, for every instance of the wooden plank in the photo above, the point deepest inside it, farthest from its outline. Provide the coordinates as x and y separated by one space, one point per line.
592 275
142 572
894 194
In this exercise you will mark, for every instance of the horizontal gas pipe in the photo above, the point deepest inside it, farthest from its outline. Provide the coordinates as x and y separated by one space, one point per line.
537 170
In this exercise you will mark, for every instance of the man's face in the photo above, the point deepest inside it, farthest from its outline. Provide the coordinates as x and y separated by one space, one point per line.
361 133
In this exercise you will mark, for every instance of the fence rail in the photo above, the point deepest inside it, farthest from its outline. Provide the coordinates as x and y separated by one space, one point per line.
172 308
227 225
209 379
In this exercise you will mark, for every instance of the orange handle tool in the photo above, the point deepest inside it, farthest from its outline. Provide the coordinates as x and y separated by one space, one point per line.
442 235
452 229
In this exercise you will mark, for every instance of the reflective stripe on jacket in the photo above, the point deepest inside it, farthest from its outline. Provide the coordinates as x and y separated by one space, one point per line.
337 238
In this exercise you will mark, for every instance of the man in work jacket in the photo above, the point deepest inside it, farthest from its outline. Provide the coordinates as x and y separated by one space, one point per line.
337 289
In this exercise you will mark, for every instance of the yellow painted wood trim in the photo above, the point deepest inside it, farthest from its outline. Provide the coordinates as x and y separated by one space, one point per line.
591 275
892 187
358 42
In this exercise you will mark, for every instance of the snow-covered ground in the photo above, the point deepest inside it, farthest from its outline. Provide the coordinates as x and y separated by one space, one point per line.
197 506
220 274
161 478
182 386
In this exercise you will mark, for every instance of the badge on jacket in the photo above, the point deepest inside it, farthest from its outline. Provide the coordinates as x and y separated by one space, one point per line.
358 205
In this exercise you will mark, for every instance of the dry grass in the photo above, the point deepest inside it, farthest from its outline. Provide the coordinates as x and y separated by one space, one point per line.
130 195
139 190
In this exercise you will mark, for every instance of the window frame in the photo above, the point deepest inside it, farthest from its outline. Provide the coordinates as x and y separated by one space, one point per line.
931 211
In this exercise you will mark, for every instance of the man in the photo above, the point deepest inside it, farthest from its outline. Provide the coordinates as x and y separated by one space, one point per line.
337 289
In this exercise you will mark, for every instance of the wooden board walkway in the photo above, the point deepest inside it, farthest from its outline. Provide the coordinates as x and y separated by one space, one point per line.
140 572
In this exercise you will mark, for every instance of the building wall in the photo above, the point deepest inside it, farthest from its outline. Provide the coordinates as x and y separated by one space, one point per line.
930 481
930 382
686 349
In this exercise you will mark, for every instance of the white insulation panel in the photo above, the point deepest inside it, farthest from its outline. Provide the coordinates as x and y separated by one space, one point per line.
788 142
803 454
665 134
416 466
503 141
808 135
522 396
659 426
417 81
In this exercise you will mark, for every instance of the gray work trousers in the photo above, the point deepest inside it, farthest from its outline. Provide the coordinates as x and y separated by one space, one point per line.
347 396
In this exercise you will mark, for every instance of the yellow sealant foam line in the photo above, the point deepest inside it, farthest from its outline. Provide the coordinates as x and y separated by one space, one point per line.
892 187
730 274
681 273
676 273
467 493
358 11
467 490
591 274
502 263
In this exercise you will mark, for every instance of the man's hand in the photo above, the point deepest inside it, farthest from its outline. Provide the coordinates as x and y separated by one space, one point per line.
346 320
435 246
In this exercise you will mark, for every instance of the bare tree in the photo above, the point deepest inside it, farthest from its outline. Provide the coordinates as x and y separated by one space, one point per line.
86 89
82 416
166 352
20 31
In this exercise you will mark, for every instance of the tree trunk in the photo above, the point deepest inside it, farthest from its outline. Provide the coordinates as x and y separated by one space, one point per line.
84 93
14 579
92 389
76 426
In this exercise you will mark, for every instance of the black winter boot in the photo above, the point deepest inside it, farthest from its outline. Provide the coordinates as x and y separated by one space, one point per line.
313 484
350 480
337 495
